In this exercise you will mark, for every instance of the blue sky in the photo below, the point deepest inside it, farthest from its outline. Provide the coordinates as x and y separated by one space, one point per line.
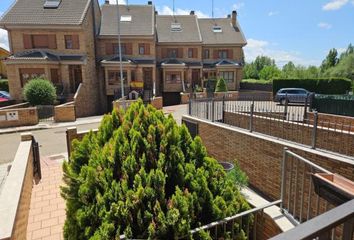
302 31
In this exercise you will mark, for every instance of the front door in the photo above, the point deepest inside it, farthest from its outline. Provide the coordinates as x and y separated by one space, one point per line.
196 78
75 75
148 83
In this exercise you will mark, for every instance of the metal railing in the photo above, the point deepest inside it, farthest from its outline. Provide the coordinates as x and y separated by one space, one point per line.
292 122
339 219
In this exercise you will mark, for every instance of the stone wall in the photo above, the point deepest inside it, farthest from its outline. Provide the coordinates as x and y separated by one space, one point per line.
65 113
327 138
260 156
25 117
15 197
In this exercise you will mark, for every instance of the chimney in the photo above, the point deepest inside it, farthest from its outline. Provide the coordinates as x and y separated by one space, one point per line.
149 2
234 18
106 2
192 12
229 16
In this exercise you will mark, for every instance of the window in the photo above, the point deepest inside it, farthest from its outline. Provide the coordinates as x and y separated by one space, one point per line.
173 78
52 4
116 48
172 52
223 54
227 76
217 29
176 27
192 52
39 41
114 77
27 74
142 49
72 42
206 54
126 18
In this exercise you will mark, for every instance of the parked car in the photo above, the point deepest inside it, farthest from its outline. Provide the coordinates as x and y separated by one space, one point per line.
4 94
293 95
3 99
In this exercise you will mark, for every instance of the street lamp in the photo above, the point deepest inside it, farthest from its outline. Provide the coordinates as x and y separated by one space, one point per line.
120 54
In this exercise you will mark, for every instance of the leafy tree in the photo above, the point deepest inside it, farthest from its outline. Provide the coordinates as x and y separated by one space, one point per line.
345 68
144 176
221 85
39 92
263 61
250 71
269 72
330 61
289 70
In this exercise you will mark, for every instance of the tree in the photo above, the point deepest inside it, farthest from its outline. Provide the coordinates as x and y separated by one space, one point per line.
144 176
250 71
221 85
345 68
263 61
330 61
269 72
40 92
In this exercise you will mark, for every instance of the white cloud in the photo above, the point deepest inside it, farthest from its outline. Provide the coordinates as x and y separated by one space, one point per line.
4 42
165 10
256 48
238 6
272 13
334 5
324 25
123 2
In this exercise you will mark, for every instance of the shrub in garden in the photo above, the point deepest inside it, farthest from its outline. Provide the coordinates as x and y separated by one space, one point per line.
142 175
221 86
4 85
40 92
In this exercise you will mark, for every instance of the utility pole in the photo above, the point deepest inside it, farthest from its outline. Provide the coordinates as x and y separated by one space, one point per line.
120 54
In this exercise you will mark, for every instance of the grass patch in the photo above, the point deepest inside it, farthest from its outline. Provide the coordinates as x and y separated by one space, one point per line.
259 81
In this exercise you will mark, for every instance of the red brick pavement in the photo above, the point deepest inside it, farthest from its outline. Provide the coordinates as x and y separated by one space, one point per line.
47 210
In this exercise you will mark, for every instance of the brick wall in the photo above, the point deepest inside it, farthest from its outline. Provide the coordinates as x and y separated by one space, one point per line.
26 117
260 156
344 122
185 98
157 102
65 113
328 139
15 197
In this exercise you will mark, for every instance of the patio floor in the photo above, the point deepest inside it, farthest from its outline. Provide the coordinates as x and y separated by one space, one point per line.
47 210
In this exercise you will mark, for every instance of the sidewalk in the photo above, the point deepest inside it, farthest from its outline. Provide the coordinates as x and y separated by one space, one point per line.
50 125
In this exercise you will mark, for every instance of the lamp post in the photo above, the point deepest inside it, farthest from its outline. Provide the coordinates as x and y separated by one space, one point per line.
120 54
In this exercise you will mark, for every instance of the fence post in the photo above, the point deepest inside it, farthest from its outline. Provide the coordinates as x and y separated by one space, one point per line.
207 108
212 109
190 107
314 130
306 103
223 109
283 175
251 116
286 107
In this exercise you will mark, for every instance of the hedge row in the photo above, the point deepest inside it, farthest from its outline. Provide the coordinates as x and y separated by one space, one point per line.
4 85
318 85
334 104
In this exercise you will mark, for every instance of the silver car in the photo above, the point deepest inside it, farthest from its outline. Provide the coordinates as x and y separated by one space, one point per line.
293 95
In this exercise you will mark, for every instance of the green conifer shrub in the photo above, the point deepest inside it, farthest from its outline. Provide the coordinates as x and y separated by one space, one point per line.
221 86
142 175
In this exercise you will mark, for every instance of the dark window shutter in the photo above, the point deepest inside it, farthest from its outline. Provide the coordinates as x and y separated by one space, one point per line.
76 41
27 41
180 53
230 54
216 54
109 48
147 49
129 48
164 52
52 41
195 53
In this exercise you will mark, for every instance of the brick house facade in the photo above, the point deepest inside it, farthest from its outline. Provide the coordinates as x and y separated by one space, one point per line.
76 44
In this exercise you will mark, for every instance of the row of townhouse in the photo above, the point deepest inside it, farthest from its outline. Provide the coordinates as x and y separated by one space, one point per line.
75 43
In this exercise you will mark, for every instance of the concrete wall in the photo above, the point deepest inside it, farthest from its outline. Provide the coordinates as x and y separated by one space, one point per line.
328 139
15 198
26 117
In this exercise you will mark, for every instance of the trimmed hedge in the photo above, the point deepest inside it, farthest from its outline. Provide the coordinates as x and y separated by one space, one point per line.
334 104
39 92
317 85
4 85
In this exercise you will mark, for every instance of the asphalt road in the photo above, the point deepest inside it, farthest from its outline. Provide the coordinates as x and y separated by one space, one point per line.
53 141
